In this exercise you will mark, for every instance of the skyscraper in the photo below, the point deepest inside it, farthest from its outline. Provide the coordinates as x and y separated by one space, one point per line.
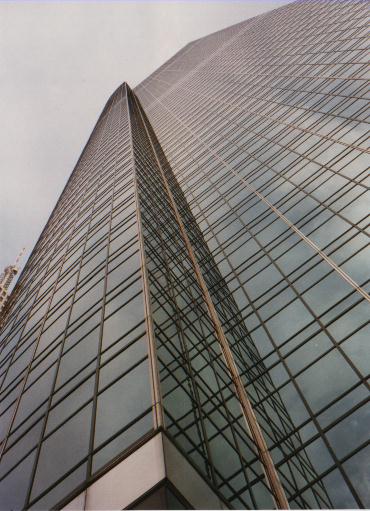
190 329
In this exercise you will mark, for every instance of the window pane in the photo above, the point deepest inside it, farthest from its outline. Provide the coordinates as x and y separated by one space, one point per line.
122 402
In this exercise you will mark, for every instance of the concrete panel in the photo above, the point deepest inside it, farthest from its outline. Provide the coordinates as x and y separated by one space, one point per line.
127 481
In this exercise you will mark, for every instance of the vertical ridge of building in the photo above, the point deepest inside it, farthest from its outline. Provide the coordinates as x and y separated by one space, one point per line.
157 400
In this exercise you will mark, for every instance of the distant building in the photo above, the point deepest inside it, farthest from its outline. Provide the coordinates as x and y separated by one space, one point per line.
5 280
190 329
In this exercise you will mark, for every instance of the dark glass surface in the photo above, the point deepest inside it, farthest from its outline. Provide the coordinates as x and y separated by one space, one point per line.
268 129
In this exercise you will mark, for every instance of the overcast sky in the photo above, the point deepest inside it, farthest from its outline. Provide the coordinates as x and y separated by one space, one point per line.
59 63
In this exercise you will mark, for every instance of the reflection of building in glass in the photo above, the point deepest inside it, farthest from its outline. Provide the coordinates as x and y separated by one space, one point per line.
199 340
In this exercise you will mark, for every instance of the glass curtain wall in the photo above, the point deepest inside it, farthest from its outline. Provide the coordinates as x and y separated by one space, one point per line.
267 134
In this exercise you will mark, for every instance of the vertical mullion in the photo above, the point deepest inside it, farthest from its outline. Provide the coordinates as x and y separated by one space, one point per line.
152 354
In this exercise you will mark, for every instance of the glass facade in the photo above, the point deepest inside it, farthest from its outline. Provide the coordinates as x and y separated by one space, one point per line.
205 273
74 349
265 125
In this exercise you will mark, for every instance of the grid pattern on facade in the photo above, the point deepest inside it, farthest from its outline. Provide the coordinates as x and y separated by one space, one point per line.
75 345
75 387
202 413
272 414
111 331
272 129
